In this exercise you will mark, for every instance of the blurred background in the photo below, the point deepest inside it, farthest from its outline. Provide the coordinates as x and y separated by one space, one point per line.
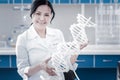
98 61
14 19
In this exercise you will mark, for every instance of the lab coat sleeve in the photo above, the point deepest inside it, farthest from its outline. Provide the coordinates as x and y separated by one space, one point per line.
71 66
22 56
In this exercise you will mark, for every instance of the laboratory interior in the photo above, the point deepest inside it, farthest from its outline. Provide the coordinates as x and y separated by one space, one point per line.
99 60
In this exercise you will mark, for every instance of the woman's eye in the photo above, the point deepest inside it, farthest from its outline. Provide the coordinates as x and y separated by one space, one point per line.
46 14
37 13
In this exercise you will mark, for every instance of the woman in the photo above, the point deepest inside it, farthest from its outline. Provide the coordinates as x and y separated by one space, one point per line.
35 46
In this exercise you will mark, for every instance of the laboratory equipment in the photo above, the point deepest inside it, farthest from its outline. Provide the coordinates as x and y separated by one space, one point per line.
108 28
14 34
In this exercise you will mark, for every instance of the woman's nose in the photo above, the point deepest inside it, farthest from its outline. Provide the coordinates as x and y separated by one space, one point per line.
41 17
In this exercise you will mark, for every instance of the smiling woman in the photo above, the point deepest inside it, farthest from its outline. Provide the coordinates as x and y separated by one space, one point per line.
41 18
35 46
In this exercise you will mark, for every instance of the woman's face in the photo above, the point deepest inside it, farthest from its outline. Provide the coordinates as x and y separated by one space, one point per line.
41 17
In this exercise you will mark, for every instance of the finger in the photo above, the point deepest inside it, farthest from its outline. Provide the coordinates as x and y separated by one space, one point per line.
46 61
82 46
52 73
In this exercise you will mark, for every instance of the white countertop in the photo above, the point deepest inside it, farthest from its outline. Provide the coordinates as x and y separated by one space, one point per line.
89 50
7 51
101 49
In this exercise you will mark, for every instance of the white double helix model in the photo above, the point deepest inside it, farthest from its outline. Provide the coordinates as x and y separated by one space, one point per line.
61 60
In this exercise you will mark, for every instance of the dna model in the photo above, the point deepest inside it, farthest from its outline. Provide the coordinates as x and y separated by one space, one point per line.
61 60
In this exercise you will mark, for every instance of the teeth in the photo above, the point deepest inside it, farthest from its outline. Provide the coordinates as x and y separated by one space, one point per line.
42 23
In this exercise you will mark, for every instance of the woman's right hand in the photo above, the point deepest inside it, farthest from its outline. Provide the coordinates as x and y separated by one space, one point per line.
47 68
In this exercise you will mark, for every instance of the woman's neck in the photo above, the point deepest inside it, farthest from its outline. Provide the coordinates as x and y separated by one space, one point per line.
41 32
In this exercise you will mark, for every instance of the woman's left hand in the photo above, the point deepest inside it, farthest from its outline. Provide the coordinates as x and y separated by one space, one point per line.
83 45
73 58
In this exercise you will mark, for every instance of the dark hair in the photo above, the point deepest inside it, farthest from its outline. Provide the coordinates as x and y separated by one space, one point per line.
37 3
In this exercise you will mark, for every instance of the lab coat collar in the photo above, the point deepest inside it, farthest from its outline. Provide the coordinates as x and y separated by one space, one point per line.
49 31
33 34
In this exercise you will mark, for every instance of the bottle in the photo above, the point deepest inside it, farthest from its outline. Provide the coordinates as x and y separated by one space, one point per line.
11 42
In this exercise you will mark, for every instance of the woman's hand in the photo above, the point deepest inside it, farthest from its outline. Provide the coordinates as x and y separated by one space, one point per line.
48 69
83 45
73 58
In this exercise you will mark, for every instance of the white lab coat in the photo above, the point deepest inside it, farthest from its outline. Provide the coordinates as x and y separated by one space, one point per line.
31 49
